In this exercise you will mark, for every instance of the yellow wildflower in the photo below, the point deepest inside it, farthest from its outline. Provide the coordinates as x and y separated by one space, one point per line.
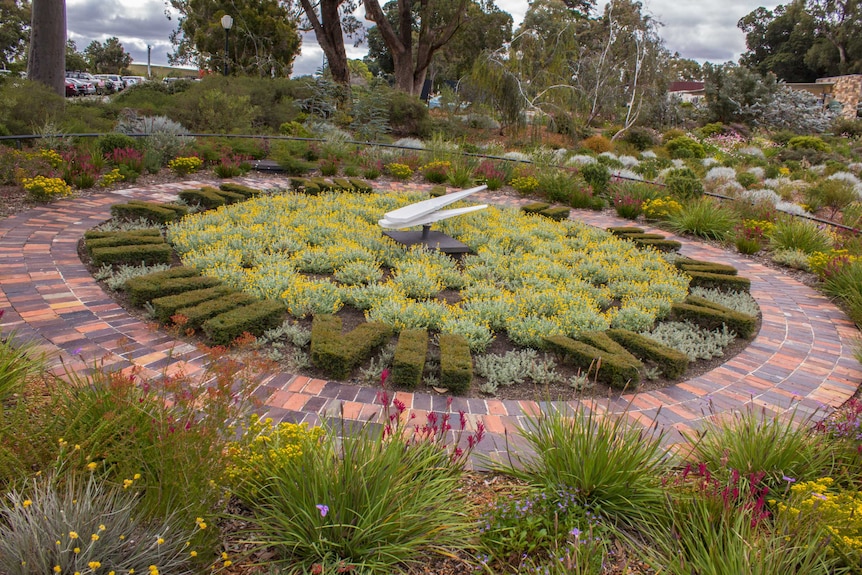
27 503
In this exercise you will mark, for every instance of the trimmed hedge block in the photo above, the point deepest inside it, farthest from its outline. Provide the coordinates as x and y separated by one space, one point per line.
324 184
204 197
239 189
634 236
660 245
339 354
361 185
95 235
710 315
122 239
673 363
229 197
304 186
148 254
180 209
197 314
556 214
170 282
167 306
456 363
437 191
607 367
625 230
409 361
689 264
344 184
535 207
151 212
255 319
602 341
722 282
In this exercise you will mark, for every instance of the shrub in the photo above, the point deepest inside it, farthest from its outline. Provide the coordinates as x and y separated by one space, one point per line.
808 143
606 463
205 197
339 354
147 254
683 183
436 172
165 307
399 171
710 315
614 369
409 361
122 239
150 211
352 502
747 180
195 314
627 207
672 362
408 116
185 165
753 441
597 144
173 281
846 283
685 147
254 319
42 189
65 526
660 208
703 217
792 234
525 184
109 143
639 137
456 364
597 176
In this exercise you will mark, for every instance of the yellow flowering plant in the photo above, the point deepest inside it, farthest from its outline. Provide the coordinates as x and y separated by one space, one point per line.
399 171
185 165
45 189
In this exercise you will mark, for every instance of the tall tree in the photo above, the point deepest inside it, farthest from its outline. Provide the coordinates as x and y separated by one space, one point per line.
75 60
264 39
839 22
107 58
437 22
485 27
14 30
735 93
47 59
778 41
332 21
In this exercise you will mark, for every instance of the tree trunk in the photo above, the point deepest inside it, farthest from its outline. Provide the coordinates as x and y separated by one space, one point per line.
327 29
47 61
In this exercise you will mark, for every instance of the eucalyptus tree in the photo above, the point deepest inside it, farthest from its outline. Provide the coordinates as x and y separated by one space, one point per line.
332 21
14 30
46 62
421 28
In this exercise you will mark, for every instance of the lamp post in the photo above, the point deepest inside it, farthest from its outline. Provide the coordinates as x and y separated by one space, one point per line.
226 23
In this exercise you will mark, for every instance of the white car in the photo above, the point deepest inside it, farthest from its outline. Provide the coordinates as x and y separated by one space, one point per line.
113 82
133 80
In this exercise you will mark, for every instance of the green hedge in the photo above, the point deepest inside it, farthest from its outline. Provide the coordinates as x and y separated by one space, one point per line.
122 239
95 235
229 197
673 363
722 282
643 236
197 314
204 197
437 191
606 367
151 286
361 185
625 230
167 306
711 316
601 340
344 184
239 189
304 185
660 245
152 212
409 361
338 354
691 265
456 363
255 319
557 214
148 254
324 184
535 207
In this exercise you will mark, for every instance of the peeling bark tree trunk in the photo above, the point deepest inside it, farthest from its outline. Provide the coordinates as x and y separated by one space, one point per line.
410 74
327 29
47 60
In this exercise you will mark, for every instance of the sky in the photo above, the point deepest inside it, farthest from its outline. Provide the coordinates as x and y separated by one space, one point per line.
702 30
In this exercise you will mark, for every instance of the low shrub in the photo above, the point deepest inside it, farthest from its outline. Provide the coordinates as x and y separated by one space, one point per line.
672 362
683 183
684 147
204 197
795 234
239 189
705 218
597 176
409 361
597 144
173 281
535 207
44 189
184 166
556 214
723 282
456 363
166 307
194 315
711 315
157 213
808 143
122 239
616 371
147 254
254 319
338 354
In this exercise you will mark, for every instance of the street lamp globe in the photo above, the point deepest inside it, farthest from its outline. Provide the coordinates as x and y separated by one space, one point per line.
226 23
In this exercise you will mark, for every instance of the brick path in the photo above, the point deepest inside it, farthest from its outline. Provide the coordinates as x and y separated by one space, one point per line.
802 357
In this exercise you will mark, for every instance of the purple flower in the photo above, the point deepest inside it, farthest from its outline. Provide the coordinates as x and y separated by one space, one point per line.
789 479
323 509
576 533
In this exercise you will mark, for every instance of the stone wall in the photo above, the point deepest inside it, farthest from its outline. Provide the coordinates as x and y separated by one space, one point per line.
848 91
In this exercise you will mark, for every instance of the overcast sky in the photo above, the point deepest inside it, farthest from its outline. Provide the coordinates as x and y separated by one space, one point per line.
704 30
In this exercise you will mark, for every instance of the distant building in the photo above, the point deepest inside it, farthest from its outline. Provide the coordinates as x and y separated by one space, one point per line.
844 89
692 92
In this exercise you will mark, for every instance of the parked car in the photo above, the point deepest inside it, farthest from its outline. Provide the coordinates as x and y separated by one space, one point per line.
87 77
113 82
132 80
84 88
71 88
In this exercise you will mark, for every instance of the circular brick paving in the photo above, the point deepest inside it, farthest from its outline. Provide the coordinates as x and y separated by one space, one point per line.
802 357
